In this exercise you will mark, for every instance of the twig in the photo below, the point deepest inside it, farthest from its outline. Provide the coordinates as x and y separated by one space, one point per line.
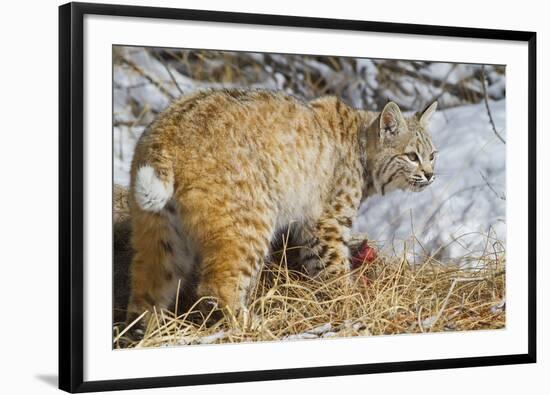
444 304
486 100
482 278
491 187
169 73
141 72
458 89
118 122
177 297
129 326
443 88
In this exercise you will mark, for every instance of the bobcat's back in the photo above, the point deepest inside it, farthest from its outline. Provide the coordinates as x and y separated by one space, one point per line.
242 142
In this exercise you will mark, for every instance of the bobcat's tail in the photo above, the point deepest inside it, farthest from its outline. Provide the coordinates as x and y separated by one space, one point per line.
153 189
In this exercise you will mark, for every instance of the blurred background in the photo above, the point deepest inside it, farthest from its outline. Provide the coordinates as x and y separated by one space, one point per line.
460 218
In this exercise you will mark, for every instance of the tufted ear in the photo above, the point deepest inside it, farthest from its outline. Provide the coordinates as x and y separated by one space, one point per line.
427 114
392 122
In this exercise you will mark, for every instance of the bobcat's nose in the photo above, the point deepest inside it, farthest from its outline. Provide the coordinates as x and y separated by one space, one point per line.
429 175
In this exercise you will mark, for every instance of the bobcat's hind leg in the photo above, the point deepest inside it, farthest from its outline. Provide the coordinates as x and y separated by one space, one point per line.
229 269
153 277
233 239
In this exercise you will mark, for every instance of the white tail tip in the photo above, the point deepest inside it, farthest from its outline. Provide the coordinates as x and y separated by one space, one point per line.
151 192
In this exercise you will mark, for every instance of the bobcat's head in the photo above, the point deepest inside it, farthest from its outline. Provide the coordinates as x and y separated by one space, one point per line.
404 157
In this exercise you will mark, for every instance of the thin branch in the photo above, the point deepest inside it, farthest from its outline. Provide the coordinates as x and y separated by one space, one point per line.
141 72
443 89
458 89
172 77
129 326
482 278
486 100
502 197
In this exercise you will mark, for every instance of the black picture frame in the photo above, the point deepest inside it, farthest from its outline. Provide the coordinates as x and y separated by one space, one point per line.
71 198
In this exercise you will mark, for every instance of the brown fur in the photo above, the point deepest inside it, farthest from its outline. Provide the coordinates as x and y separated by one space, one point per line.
233 169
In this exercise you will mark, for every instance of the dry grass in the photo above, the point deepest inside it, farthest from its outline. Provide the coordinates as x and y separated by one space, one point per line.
388 296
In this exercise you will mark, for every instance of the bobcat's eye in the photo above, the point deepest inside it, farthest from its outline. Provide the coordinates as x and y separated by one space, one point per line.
432 156
412 156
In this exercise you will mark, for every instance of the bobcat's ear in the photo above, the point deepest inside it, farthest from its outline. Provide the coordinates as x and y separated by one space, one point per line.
427 114
392 122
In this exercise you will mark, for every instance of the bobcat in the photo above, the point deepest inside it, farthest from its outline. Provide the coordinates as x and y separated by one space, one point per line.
219 173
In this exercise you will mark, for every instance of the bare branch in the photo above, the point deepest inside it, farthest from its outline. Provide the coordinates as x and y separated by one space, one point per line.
486 100
500 196
149 78
167 68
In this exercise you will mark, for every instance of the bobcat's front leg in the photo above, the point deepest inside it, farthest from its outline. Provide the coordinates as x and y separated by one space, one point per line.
325 241
325 247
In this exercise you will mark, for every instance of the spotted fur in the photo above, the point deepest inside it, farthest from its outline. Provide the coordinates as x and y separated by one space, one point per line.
220 173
